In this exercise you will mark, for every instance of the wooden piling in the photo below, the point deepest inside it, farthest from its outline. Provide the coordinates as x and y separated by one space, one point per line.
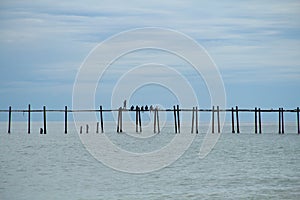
119 127
140 121
178 119
259 121
157 115
175 121
121 120
66 119
137 120
213 120
218 118
196 112
80 129
154 124
282 121
279 121
45 121
87 129
255 120
237 120
101 119
193 114
28 126
232 120
298 125
9 119
97 127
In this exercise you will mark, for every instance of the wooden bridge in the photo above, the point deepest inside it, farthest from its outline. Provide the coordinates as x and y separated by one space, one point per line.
156 128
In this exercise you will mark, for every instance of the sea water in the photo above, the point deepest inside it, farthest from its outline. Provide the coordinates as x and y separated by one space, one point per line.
58 166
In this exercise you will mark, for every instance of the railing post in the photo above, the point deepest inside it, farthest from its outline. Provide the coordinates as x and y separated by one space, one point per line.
237 120
232 120
9 119
45 121
66 119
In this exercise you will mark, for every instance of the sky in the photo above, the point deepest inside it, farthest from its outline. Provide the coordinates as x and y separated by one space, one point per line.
254 44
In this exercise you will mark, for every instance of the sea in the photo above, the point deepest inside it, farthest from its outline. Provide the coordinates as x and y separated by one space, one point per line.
59 166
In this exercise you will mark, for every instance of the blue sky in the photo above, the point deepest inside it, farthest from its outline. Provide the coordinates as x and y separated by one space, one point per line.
255 44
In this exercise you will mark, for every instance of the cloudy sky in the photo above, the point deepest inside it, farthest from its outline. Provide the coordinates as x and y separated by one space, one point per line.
255 44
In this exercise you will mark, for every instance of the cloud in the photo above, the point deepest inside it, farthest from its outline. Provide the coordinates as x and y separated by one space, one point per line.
48 40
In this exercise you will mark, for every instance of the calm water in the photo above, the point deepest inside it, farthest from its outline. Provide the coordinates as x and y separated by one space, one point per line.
241 166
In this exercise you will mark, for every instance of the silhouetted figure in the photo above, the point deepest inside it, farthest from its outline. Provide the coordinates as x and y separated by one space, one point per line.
41 131
137 108
142 108
132 108
146 108
124 104
151 108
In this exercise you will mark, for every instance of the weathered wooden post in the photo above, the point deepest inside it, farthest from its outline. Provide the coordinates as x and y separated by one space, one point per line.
282 121
9 119
87 128
193 114
298 123
218 117
213 119
136 119
154 123
97 127
80 129
45 121
178 119
140 120
175 121
119 127
232 120
28 131
255 120
157 115
121 119
259 121
196 109
66 119
101 119
279 121
237 120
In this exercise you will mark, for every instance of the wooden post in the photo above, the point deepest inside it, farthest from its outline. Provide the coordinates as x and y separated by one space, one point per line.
196 110
237 120
28 119
259 121
136 119
193 113
87 128
101 119
154 127
45 121
218 117
282 121
178 119
175 121
213 120
232 120
118 125
80 129
121 120
140 121
97 127
279 121
66 119
255 120
298 125
157 115
9 119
